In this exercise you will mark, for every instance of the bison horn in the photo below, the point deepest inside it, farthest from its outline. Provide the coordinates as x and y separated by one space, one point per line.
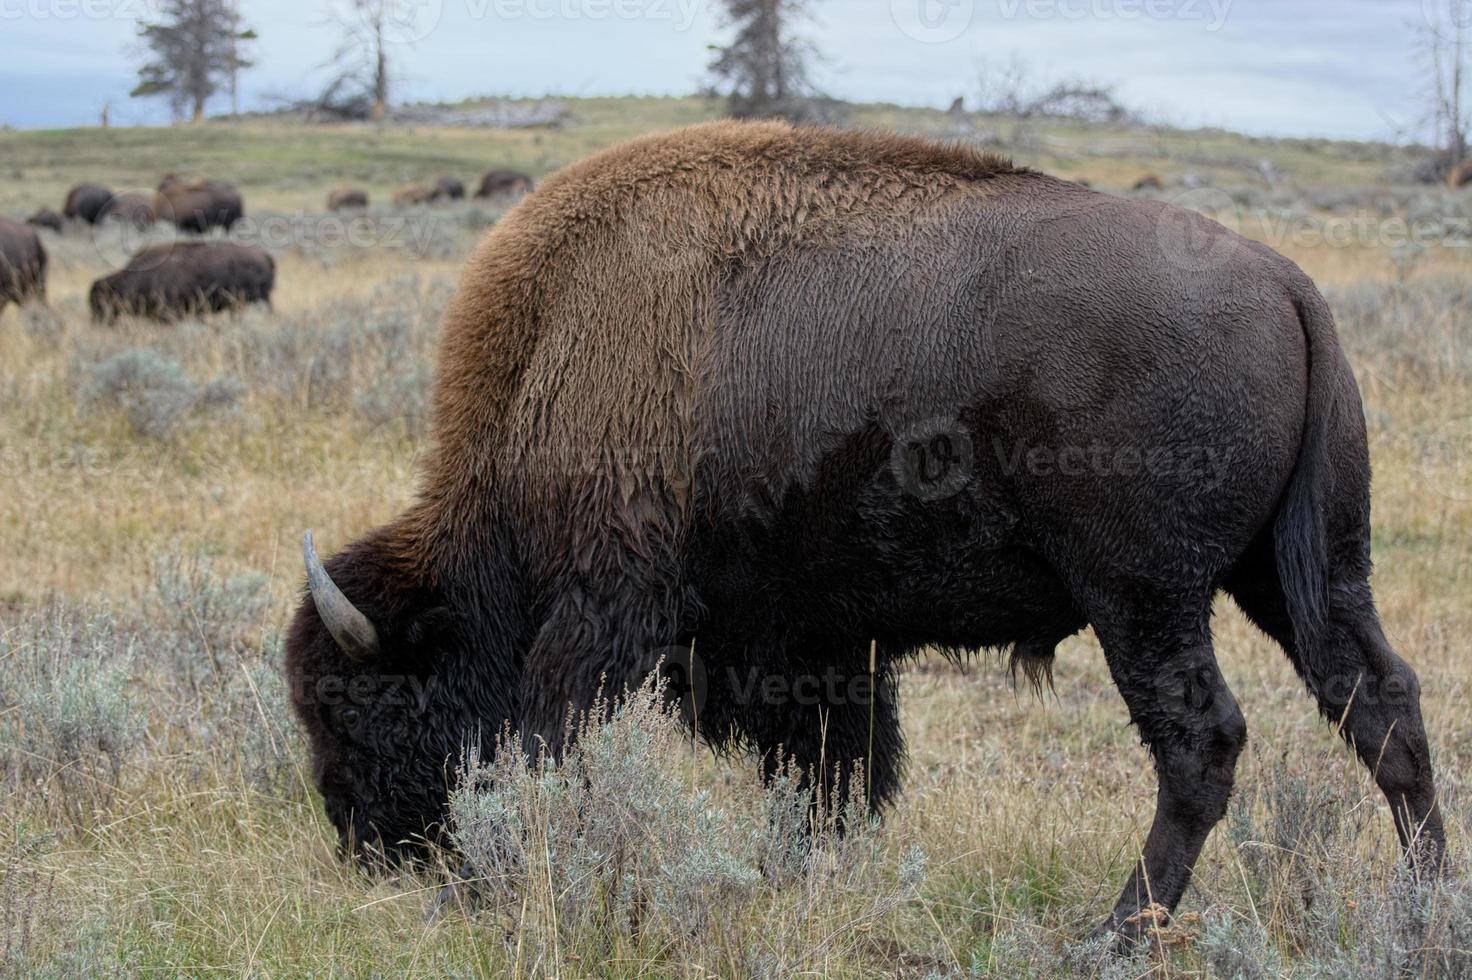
352 630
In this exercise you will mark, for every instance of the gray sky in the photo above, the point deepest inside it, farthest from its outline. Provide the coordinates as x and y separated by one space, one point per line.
1343 68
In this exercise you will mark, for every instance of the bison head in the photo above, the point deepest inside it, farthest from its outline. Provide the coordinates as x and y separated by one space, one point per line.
377 677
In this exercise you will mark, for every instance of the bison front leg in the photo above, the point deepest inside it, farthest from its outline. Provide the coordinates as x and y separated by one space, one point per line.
1188 718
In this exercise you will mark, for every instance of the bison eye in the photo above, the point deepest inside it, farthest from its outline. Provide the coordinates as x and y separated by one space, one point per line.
350 717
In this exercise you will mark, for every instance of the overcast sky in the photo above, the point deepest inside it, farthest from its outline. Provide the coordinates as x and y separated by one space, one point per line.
1344 68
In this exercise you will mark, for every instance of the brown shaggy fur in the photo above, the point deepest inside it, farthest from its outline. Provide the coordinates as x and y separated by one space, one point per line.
674 206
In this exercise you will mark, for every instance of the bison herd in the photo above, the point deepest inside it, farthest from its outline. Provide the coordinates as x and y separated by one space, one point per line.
168 281
493 185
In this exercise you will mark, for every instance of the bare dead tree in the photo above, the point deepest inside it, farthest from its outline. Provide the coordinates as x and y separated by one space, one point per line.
361 67
1446 50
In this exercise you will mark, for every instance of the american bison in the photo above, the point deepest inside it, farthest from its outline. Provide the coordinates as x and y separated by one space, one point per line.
46 218
779 393
1149 182
136 209
412 194
22 264
503 184
199 205
85 202
1460 175
178 279
347 197
447 189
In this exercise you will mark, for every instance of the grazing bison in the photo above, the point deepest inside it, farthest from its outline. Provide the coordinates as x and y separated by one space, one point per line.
504 183
198 206
46 218
166 282
22 264
1149 182
778 393
347 197
447 188
413 194
85 202
136 209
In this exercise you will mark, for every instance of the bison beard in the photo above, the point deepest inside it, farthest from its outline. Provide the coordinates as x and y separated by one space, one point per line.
788 392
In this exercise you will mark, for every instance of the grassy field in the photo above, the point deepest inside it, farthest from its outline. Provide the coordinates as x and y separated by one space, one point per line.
154 483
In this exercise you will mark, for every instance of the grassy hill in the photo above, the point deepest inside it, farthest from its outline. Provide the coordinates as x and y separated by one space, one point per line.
156 815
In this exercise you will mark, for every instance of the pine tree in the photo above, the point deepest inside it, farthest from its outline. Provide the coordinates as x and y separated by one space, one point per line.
763 71
196 50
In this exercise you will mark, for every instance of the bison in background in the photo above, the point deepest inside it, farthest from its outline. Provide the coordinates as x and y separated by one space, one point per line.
170 281
447 189
347 197
413 194
22 264
85 202
504 184
46 218
136 209
199 205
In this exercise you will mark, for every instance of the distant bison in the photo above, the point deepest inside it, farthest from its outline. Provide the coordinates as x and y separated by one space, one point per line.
85 202
199 205
413 194
1149 182
22 264
447 188
136 209
347 197
1460 175
45 218
166 282
504 183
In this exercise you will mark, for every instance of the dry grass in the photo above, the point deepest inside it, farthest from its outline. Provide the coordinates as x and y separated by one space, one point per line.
156 817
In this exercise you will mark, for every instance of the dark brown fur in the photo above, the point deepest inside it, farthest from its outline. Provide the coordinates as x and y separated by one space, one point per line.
782 393
85 202
503 183
198 206
347 197
166 282
46 218
22 264
448 189
136 209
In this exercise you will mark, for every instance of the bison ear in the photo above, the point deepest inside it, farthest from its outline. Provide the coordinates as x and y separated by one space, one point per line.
432 628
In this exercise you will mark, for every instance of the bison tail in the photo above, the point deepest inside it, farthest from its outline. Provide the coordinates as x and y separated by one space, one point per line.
1300 529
